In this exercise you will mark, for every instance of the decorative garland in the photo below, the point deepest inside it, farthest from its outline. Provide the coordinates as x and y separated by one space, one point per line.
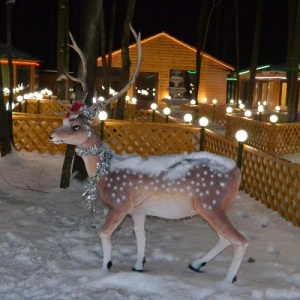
90 187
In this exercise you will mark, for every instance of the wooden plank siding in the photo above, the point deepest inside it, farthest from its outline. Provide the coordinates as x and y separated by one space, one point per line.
163 52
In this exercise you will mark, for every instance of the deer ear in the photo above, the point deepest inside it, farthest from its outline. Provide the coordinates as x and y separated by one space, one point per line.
94 121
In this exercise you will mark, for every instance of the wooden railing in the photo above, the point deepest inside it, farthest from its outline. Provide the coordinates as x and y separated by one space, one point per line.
275 139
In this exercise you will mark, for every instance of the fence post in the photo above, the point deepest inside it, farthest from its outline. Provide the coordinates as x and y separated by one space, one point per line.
271 139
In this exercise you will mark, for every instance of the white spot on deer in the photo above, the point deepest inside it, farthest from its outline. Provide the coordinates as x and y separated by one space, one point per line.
175 189
181 190
130 183
113 195
188 188
193 182
111 180
115 187
204 205
124 183
209 207
201 194
203 184
146 187
191 194
211 183
214 202
108 185
141 176
124 176
118 178
205 172
121 188
197 175
207 192
197 190
222 184
217 192
140 181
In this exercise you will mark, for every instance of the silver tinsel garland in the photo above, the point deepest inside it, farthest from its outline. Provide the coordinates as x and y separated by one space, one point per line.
90 187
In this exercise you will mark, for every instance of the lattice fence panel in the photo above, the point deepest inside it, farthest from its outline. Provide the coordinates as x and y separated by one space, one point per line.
218 144
274 182
150 139
276 139
31 133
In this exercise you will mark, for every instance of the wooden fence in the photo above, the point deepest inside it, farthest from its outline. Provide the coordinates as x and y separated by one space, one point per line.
275 139
273 181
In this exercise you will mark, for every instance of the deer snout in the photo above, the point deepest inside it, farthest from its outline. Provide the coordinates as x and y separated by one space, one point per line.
54 139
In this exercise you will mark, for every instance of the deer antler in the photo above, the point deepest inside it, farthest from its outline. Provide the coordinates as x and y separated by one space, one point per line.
82 79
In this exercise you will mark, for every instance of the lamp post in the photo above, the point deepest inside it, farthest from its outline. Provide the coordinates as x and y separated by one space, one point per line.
20 99
39 97
166 112
188 118
26 97
260 110
102 118
203 122
153 107
214 101
241 136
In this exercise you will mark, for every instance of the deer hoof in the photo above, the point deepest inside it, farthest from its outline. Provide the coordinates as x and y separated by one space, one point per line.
109 265
234 279
198 270
136 270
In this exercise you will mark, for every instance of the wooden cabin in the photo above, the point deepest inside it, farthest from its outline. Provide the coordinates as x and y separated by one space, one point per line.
25 69
270 86
162 55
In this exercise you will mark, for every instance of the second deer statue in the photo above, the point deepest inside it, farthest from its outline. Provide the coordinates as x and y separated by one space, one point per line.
168 186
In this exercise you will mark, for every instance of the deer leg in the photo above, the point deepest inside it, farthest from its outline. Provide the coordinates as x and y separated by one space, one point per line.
112 221
202 261
139 229
227 235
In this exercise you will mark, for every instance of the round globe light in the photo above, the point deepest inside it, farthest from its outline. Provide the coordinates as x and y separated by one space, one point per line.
277 108
20 98
188 118
229 109
193 102
241 136
153 106
214 101
273 119
203 121
231 101
248 113
260 108
102 115
166 111
134 100
242 106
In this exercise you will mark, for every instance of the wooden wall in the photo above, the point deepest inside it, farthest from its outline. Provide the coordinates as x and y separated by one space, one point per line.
162 52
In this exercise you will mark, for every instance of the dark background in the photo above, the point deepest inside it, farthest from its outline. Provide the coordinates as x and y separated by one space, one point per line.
34 27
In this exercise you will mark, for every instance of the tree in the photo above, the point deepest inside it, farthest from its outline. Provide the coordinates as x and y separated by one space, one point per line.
293 52
90 30
254 57
6 132
125 56
107 60
203 26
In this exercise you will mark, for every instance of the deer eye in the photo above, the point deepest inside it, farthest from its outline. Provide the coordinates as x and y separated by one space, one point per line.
76 127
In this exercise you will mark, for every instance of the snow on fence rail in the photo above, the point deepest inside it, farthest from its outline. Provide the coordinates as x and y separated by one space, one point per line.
271 180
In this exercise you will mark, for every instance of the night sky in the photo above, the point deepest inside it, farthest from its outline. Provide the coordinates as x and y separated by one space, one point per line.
34 27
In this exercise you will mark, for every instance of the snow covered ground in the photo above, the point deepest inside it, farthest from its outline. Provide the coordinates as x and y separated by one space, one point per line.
50 249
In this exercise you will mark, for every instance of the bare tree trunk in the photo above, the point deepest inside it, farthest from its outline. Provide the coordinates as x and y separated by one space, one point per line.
203 26
125 56
9 6
254 57
293 52
106 62
91 31
5 141
237 47
62 48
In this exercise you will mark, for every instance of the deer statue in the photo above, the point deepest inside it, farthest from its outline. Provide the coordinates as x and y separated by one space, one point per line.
166 186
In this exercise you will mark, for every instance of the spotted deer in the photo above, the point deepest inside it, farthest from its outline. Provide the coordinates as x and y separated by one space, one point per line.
167 186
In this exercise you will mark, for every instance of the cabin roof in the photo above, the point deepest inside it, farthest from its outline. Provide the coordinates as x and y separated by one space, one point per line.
16 54
175 40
